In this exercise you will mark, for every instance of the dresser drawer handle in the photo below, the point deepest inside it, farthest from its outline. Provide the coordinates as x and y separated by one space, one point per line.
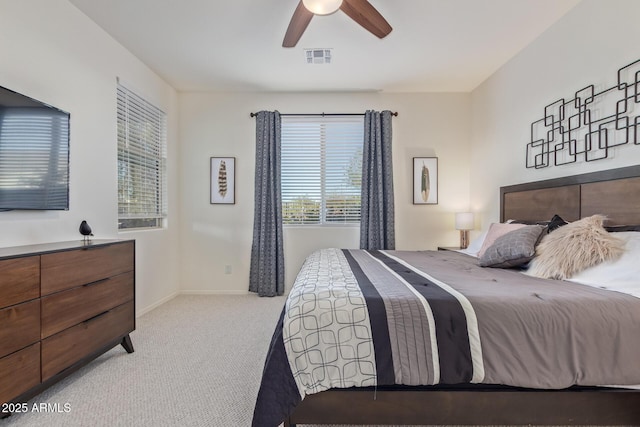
95 317
97 282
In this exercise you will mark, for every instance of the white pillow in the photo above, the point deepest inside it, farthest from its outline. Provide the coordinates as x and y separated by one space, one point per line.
622 275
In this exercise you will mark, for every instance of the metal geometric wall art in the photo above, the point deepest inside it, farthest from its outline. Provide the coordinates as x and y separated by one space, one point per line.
588 126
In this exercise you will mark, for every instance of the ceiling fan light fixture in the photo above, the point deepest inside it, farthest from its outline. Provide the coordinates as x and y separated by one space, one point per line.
322 7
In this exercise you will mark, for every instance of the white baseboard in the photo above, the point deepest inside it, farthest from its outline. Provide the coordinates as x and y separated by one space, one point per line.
212 292
157 304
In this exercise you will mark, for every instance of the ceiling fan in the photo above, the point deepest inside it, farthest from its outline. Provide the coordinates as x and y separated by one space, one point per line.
360 11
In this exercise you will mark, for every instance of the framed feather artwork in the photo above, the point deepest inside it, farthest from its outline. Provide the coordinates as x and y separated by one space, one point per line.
223 180
425 180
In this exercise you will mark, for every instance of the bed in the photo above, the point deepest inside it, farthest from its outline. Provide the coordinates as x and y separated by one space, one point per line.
477 368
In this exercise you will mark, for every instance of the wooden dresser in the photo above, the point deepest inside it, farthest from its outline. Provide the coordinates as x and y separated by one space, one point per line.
61 306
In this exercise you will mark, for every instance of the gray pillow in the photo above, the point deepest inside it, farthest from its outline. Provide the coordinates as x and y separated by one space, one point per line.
513 249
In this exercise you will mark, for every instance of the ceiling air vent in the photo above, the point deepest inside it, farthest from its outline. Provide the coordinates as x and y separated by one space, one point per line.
318 56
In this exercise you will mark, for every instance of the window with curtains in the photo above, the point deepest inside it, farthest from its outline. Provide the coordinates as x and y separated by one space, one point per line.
321 169
141 162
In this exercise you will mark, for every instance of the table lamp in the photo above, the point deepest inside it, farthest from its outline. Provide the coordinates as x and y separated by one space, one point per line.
464 223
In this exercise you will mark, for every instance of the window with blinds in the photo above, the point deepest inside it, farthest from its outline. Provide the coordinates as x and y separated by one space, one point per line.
141 162
321 169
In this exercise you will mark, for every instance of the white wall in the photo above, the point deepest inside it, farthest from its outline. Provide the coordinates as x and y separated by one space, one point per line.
214 236
488 130
587 46
52 52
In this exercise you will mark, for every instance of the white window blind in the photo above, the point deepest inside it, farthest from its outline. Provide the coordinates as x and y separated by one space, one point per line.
141 162
321 169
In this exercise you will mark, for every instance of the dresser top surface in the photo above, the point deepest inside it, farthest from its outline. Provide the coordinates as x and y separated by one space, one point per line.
43 248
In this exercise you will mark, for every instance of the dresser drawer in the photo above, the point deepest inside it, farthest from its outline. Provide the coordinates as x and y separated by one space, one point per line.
65 348
19 326
68 269
64 309
19 372
19 280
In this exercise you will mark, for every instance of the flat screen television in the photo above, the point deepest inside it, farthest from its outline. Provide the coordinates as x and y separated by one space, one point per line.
34 154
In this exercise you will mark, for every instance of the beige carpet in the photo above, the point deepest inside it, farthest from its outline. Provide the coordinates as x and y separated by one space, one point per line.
198 362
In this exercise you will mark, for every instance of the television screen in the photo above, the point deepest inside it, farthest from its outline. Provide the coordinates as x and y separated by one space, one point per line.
34 154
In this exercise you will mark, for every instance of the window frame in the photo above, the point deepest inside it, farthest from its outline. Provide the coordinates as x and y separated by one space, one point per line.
325 188
141 162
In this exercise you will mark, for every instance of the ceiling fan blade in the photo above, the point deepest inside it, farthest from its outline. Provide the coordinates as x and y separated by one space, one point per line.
366 15
299 22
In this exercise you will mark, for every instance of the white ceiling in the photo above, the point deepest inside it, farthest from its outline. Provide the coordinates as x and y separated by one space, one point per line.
235 45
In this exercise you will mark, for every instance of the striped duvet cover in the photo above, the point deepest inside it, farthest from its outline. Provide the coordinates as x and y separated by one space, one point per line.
358 318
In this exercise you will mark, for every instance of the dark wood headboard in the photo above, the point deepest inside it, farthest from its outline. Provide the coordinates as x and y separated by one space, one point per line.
614 193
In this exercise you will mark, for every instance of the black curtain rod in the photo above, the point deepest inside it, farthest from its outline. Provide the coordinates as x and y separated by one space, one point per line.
395 114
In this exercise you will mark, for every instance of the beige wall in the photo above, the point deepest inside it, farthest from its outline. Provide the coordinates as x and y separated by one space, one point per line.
50 62
52 52
479 139
587 46
214 236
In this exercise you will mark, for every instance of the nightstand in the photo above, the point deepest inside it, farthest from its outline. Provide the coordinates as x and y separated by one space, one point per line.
448 248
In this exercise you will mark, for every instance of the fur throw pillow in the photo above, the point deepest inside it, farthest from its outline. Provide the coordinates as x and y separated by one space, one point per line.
575 247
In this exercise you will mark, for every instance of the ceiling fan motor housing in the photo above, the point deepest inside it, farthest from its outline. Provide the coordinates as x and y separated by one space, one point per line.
322 7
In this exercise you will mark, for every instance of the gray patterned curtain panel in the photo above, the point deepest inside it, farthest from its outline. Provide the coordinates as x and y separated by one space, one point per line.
266 276
377 216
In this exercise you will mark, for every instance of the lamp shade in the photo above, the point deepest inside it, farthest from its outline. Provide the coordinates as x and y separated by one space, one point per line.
464 221
322 7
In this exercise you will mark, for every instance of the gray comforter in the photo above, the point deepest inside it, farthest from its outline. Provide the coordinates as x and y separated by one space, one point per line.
360 318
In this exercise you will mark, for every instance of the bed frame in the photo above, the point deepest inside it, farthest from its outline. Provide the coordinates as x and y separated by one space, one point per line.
615 193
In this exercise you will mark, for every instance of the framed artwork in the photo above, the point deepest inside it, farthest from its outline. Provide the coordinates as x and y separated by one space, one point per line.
223 180
425 180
